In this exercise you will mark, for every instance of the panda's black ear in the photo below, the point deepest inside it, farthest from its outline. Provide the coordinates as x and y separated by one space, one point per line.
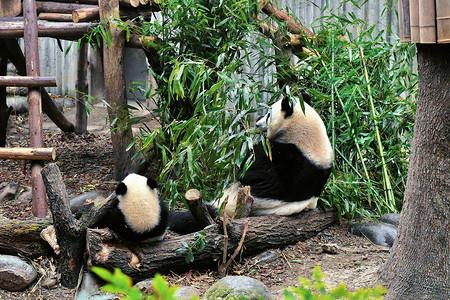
152 183
121 189
287 107
306 97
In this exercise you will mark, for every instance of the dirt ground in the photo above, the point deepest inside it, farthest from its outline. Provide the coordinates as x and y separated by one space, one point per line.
86 164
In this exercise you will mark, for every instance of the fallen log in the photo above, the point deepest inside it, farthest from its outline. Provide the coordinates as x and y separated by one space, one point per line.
263 233
23 237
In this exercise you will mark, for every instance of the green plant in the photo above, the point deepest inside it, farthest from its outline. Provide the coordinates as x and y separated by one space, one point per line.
360 83
197 246
318 289
121 284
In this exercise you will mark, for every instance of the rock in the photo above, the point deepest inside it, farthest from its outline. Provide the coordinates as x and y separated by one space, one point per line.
77 204
266 257
392 218
379 233
236 287
15 274
145 286
89 285
9 192
330 248
25 196
186 292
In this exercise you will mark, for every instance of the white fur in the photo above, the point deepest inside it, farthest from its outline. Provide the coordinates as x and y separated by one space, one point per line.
264 206
140 204
306 130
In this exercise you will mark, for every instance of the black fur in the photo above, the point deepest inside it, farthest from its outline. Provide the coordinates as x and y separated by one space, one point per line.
287 106
289 176
183 222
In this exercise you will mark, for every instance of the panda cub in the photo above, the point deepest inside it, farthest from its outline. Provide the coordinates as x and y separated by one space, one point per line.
140 214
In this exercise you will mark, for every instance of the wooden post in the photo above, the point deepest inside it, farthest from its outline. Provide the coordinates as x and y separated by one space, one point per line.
34 106
82 88
115 91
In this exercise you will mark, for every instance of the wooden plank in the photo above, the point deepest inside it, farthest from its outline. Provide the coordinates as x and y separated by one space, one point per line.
443 21
404 21
28 153
34 106
427 21
10 8
414 20
28 81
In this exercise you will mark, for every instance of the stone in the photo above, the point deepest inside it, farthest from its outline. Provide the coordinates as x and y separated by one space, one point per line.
236 287
378 233
15 274
186 292
391 218
9 192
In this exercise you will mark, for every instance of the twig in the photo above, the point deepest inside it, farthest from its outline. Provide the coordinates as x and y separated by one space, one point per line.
225 267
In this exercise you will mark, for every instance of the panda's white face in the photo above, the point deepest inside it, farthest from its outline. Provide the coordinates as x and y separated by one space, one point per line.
289 124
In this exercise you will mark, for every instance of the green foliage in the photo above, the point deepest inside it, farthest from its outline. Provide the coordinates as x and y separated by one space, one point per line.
317 289
197 246
121 284
205 99
356 79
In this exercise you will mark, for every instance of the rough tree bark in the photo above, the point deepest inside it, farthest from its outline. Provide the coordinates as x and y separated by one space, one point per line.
116 93
419 264
263 232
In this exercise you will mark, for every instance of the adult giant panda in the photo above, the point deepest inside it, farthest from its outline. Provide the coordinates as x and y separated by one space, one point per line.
291 178
140 214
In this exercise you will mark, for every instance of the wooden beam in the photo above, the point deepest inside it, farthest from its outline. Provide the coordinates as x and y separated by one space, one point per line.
28 81
56 7
56 17
59 30
28 153
85 14
39 206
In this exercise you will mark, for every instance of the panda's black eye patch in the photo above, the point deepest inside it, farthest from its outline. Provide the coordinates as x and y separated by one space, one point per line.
121 189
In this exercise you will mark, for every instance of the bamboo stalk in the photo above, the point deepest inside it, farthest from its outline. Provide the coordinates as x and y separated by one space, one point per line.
28 153
390 201
443 21
414 21
28 81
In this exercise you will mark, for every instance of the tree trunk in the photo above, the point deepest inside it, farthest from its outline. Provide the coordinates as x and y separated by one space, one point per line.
263 232
82 87
116 93
419 264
